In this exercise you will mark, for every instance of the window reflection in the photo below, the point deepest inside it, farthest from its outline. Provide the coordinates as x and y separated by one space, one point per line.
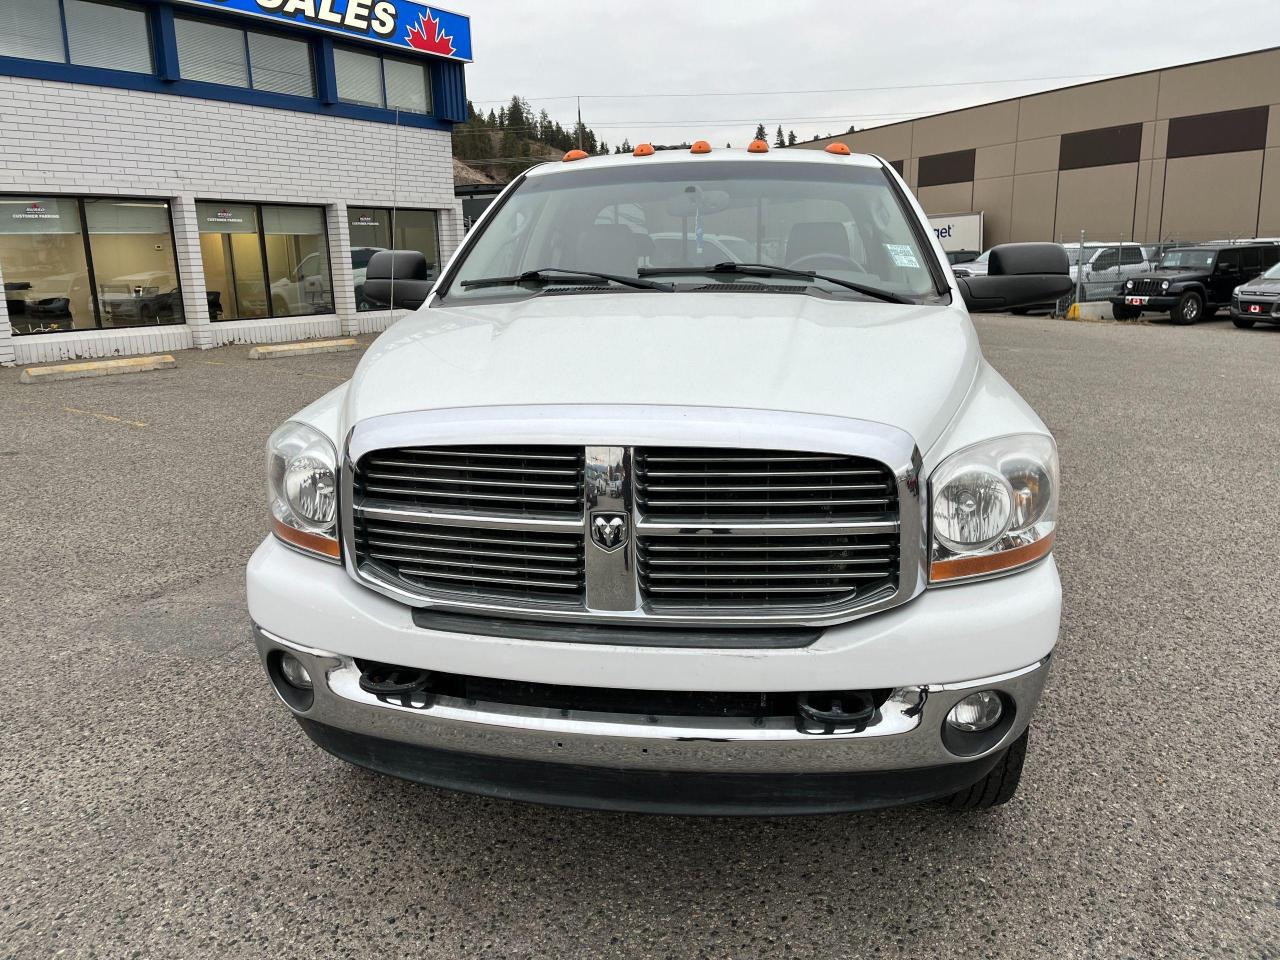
43 262
371 231
133 262
297 261
232 252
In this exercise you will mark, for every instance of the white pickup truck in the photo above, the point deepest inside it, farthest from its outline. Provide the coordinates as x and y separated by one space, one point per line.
698 536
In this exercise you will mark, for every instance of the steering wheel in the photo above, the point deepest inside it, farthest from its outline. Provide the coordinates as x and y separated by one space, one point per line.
822 262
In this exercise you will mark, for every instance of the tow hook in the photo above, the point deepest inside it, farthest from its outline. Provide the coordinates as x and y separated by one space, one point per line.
849 711
395 683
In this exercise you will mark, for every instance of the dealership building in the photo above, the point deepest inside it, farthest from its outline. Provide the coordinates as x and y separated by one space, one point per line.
1183 154
200 172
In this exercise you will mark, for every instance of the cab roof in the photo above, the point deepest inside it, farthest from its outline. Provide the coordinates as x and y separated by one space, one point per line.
683 155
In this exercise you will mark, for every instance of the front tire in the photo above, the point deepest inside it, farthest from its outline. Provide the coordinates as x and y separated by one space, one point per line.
1244 323
1189 309
998 786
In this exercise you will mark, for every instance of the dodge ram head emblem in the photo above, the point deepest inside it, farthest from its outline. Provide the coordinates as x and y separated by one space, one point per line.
609 530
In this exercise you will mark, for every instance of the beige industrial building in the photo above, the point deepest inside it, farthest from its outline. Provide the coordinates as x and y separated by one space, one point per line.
1185 153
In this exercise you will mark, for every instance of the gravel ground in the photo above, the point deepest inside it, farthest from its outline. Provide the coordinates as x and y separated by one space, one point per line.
157 801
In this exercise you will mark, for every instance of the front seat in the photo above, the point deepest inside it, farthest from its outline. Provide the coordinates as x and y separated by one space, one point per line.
607 248
818 238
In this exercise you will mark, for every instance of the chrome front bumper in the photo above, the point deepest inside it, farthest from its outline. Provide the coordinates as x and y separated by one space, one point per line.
533 748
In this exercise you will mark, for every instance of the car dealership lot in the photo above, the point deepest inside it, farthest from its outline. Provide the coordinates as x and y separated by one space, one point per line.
158 799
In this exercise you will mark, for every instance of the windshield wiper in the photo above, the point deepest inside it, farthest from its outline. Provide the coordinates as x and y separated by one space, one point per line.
770 270
546 275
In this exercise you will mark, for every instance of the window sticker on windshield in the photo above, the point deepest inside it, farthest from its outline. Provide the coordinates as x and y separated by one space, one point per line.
902 255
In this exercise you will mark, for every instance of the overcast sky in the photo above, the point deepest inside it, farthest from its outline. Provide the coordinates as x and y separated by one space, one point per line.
628 59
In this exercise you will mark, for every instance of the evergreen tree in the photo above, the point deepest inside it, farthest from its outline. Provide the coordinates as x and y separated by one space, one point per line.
779 140
791 138
761 133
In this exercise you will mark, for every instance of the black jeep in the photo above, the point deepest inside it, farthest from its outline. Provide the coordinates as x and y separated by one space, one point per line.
1190 282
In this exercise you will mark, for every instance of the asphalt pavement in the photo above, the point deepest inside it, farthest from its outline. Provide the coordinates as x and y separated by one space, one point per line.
157 801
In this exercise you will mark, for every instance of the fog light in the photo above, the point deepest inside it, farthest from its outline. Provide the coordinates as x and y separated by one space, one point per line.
976 712
295 673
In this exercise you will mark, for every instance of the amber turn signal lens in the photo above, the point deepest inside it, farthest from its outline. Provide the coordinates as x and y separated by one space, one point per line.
573 155
839 149
758 146
311 542
959 568
644 150
700 147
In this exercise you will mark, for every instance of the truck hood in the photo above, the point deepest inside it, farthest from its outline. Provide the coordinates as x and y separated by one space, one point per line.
904 365
1173 274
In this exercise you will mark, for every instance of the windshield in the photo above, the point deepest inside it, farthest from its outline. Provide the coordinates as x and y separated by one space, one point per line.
842 221
1273 273
1197 259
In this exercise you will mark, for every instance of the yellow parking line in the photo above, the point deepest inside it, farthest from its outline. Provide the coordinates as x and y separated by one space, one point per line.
106 417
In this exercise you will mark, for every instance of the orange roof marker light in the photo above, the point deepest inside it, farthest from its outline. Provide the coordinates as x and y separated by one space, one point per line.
839 149
758 146
700 147
573 155
644 150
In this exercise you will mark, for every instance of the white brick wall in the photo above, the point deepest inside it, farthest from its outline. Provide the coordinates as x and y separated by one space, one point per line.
63 138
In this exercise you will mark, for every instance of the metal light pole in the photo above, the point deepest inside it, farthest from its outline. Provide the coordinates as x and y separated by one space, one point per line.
1080 270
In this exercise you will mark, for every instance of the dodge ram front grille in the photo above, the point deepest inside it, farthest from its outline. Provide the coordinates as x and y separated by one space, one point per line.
525 481
720 536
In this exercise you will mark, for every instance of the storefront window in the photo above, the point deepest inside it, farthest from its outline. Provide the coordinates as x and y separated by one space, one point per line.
264 261
111 35
232 253
133 262
297 261
375 81
79 264
281 65
371 231
44 265
359 77
407 85
32 30
211 52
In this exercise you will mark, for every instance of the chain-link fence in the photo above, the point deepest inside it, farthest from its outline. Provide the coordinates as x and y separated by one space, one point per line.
1100 268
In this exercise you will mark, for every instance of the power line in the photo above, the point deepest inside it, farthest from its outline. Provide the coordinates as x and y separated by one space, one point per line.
844 117
766 93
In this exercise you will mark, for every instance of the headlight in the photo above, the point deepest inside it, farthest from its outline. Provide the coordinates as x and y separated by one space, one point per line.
302 488
1164 285
1128 285
993 507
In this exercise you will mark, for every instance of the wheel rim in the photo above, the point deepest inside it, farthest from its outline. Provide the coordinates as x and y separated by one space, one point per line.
1190 309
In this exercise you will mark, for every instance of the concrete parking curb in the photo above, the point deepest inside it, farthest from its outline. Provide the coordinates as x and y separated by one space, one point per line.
275 351
96 368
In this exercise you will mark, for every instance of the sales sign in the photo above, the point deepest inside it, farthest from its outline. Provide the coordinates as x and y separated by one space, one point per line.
413 27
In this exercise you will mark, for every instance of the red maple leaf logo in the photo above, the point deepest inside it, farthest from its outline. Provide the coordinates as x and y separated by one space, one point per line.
429 36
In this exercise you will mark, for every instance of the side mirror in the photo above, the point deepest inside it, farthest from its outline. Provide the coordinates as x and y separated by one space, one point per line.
398 279
1019 275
